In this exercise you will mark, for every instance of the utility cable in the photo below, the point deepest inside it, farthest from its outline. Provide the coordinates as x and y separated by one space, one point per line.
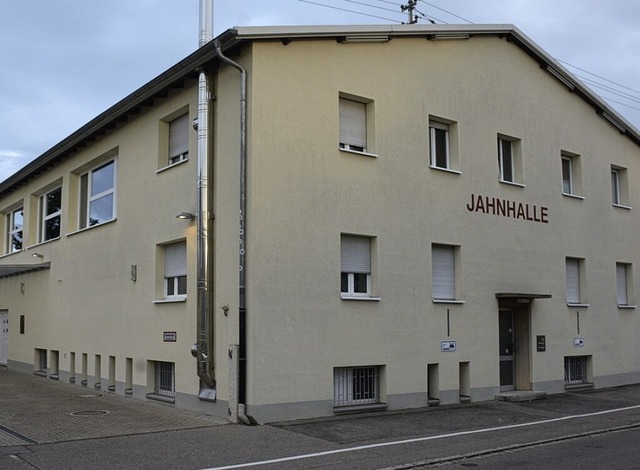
349 11
447 12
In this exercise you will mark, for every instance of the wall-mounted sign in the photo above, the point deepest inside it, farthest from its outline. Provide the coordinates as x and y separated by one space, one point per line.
541 343
169 336
578 342
507 208
447 346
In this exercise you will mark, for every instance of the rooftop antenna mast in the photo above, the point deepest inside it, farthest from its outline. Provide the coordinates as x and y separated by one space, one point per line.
410 8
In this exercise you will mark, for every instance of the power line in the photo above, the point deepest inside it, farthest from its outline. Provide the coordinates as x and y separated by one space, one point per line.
371 6
446 11
598 76
348 11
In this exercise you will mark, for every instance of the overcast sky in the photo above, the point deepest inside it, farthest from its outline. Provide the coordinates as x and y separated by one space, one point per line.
63 62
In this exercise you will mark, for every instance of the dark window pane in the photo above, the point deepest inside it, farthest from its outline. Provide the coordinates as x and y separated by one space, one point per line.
52 228
441 148
53 201
344 282
360 283
182 285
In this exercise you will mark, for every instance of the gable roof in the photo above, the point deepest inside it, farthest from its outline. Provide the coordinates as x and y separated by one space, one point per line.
235 38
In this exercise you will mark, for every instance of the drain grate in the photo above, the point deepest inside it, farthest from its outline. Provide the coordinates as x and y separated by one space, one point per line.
89 395
90 413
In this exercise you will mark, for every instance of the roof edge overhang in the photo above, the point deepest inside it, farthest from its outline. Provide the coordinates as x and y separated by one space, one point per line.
180 71
244 35
10 270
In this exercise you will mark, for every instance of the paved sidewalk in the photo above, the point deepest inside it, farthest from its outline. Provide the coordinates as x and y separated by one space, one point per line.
36 410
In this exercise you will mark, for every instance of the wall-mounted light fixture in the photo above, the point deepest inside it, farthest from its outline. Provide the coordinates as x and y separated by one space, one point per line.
186 215
37 255
447 36
363 38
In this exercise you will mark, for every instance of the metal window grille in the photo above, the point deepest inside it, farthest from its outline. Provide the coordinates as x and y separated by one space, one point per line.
575 370
356 385
165 379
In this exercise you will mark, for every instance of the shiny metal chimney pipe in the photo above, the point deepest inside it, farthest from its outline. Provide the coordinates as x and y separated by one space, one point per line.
203 350
206 22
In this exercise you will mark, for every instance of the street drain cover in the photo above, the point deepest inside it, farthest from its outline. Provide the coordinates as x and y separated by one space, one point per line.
89 395
90 413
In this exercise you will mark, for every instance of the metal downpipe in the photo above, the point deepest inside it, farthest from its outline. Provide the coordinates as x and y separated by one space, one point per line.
242 234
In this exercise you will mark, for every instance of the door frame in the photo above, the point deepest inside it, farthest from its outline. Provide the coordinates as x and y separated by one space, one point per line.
522 343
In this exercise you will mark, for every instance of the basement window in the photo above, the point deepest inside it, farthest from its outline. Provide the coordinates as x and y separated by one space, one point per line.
356 387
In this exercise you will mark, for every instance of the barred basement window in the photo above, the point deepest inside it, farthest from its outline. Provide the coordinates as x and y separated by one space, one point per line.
356 385
165 379
575 370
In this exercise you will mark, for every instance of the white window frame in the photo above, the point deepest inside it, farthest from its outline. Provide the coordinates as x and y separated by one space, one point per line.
443 272
175 269
624 292
86 199
354 386
179 139
355 259
511 177
615 186
353 125
573 279
45 217
15 231
567 175
434 128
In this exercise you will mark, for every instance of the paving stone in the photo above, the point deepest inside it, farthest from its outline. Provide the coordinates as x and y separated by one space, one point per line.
38 410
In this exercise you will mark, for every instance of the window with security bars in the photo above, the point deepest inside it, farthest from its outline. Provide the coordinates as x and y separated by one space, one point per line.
575 370
356 385
165 379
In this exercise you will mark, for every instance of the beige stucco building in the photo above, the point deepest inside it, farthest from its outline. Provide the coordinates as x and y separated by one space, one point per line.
394 217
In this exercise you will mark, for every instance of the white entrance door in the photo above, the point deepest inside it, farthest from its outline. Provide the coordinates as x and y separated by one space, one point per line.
4 336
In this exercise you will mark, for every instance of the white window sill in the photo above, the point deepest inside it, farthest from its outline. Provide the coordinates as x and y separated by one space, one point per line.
92 227
569 304
170 301
43 243
512 183
446 170
574 196
173 165
355 297
626 307
448 301
620 206
366 154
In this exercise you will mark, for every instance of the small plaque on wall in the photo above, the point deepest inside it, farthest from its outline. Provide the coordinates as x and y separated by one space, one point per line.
169 336
541 343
